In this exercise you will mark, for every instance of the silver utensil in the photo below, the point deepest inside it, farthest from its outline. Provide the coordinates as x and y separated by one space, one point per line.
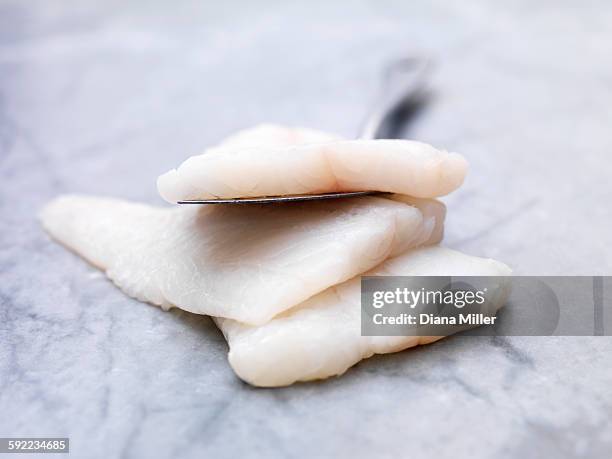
403 84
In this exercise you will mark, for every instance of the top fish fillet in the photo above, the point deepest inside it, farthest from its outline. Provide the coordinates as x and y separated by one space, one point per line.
246 263
274 160
322 336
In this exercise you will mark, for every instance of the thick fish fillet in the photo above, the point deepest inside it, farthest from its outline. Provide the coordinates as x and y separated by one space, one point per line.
274 160
322 336
246 263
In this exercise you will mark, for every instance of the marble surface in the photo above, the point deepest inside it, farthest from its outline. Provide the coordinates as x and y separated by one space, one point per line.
100 97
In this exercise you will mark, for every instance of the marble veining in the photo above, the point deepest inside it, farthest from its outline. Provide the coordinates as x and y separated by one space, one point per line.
101 97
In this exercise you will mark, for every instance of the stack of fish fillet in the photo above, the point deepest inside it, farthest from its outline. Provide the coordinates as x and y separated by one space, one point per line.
281 281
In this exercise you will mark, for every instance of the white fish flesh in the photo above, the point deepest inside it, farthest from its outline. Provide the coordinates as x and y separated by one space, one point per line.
322 336
257 268
271 164
247 263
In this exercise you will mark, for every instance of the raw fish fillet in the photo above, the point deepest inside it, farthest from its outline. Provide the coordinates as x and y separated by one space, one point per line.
273 160
322 336
246 263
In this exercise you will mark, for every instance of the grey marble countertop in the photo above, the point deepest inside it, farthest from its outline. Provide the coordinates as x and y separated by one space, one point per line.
100 97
